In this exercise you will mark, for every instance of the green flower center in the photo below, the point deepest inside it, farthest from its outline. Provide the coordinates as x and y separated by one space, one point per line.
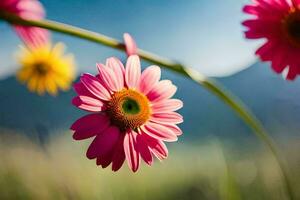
130 106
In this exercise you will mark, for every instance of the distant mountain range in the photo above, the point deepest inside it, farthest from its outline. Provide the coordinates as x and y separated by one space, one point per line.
275 101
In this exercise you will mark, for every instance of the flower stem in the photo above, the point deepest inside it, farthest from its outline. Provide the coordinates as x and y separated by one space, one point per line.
210 84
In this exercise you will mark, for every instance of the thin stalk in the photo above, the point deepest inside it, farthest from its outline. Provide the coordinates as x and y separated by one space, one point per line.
208 83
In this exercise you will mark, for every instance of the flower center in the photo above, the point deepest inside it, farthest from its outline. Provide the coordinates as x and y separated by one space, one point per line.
291 27
128 109
41 68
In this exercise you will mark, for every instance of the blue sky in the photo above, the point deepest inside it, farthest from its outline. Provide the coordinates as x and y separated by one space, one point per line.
205 34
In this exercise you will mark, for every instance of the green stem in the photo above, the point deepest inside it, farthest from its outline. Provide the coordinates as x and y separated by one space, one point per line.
211 85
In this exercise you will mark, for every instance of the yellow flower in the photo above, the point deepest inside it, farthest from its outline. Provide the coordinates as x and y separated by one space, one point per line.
46 68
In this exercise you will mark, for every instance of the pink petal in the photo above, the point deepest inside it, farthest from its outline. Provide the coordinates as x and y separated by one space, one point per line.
266 50
157 147
279 59
144 149
95 87
115 156
149 78
105 160
133 71
109 78
250 9
130 149
293 72
116 65
119 155
88 103
167 105
118 68
32 36
161 91
159 131
103 143
258 28
81 90
175 129
30 9
89 126
167 118
131 48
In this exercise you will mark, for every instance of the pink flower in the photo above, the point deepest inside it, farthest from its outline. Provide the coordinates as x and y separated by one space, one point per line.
278 21
131 48
132 113
27 9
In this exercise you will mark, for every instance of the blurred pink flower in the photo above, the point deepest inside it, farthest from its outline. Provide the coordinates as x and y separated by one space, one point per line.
130 45
27 9
132 113
279 22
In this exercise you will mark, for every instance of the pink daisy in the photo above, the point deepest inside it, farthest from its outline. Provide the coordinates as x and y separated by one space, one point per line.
279 22
132 113
27 9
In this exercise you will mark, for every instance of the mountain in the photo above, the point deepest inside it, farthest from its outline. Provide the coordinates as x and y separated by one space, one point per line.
274 100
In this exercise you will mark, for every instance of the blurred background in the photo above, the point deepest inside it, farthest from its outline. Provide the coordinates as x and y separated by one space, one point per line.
218 157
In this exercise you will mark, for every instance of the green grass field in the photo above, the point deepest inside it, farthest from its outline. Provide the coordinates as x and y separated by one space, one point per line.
60 170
